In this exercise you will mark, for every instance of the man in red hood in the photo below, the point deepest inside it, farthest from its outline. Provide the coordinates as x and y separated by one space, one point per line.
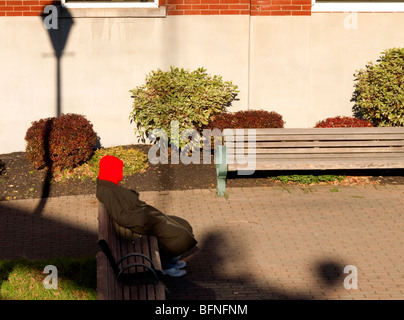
174 234
111 169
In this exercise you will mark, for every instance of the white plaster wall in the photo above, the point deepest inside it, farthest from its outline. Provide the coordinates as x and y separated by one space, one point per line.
280 66
301 67
341 44
27 80
103 59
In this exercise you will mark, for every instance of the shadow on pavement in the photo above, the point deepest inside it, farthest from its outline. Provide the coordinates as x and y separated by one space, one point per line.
206 279
25 235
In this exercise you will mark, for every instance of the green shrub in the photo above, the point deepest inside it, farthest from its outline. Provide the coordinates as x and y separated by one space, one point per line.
133 161
342 122
191 98
247 119
379 91
60 142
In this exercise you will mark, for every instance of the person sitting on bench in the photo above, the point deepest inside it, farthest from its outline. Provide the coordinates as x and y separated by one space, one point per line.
174 234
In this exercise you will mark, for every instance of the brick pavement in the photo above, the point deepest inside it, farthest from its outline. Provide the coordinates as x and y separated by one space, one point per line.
260 243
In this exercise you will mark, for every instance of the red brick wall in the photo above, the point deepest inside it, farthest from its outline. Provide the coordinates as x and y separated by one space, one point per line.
280 7
23 7
184 7
249 7
207 7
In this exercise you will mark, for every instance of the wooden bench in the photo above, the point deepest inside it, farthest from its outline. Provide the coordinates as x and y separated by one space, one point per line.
128 268
309 149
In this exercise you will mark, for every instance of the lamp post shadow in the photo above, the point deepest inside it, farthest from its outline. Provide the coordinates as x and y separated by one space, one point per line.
58 25
57 21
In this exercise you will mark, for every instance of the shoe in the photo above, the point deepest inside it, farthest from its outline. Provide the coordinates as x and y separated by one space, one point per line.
174 272
180 264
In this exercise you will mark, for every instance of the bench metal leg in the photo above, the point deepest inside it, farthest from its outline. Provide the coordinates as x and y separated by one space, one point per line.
221 170
221 186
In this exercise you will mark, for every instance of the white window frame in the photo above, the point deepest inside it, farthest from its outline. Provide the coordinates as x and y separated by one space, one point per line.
111 5
357 7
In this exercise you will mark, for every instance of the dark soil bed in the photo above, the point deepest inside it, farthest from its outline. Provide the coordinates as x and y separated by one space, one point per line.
19 180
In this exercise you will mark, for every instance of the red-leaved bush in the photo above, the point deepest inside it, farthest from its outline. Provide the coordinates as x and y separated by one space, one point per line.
342 122
60 142
247 119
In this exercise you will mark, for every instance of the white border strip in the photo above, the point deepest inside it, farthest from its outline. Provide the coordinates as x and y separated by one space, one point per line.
96 5
357 7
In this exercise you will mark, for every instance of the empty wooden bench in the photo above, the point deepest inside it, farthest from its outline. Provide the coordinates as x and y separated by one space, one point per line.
128 268
309 149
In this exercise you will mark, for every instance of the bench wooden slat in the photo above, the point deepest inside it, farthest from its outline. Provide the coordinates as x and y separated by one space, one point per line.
142 292
102 281
111 288
319 144
319 165
133 293
124 250
317 150
151 293
140 289
117 253
154 253
309 157
317 137
160 292
316 131
126 293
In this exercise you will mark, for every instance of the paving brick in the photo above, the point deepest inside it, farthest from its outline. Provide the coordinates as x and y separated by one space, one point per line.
260 243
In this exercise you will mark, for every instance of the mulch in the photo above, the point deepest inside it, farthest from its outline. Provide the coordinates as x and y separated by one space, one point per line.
20 180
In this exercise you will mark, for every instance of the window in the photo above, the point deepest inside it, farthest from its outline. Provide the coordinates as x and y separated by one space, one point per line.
110 3
358 6
115 8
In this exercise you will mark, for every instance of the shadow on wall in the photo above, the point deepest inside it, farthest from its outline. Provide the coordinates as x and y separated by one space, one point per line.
206 279
58 25
57 22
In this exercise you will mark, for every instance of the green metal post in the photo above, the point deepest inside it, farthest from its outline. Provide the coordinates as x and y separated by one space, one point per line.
221 169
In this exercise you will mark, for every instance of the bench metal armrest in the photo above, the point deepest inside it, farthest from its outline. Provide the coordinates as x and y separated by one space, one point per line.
136 278
136 255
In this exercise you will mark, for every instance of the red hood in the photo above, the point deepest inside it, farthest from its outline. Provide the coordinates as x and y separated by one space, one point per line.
111 169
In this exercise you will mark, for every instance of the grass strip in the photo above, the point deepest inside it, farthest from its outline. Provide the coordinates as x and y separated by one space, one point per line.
23 279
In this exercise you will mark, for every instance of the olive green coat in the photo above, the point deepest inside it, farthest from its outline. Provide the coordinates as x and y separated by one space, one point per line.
173 234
